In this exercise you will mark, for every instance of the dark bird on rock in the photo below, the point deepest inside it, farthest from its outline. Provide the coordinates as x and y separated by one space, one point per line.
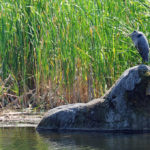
141 44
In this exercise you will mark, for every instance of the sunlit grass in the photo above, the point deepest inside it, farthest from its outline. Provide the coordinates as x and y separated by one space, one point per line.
78 48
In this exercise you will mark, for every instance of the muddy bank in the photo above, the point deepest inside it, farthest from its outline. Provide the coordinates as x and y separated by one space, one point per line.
11 118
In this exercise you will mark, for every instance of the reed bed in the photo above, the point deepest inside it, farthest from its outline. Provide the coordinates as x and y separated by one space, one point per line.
66 51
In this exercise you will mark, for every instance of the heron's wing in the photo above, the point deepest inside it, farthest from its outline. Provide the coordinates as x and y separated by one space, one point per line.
143 48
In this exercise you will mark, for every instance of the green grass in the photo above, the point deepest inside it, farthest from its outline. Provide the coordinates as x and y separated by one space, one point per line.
76 48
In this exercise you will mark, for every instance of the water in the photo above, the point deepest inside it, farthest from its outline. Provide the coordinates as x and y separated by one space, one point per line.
29 139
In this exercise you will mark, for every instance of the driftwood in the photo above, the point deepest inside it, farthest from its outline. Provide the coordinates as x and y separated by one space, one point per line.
125 107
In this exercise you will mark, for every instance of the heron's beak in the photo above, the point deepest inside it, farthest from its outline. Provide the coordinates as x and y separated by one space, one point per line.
130 34
133 33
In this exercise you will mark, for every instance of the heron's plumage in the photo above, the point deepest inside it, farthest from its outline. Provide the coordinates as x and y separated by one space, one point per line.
141 43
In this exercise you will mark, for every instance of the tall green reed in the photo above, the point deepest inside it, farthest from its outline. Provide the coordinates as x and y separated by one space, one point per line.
82 47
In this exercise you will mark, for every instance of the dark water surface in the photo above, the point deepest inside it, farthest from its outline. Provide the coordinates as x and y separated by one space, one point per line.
29 139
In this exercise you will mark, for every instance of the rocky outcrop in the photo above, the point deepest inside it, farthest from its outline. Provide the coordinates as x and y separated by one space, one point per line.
126 106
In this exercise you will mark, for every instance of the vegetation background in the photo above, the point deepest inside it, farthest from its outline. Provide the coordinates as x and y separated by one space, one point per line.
54 52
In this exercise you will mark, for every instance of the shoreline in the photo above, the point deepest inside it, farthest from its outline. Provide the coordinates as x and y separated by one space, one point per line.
13 118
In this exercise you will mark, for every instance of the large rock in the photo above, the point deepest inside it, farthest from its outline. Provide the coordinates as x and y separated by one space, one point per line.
125 107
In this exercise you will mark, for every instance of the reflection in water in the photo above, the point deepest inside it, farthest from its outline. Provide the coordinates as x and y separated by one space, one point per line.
98 141
29 139
20 139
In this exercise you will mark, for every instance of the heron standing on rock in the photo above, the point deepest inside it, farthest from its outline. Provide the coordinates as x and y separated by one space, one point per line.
141 44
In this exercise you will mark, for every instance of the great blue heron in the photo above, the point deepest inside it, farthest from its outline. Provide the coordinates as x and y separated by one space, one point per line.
141 44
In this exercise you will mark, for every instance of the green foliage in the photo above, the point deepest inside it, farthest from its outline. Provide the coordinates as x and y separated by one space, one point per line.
42 40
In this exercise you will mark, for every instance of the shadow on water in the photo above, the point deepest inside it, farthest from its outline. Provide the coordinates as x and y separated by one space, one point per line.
98 141
29 139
